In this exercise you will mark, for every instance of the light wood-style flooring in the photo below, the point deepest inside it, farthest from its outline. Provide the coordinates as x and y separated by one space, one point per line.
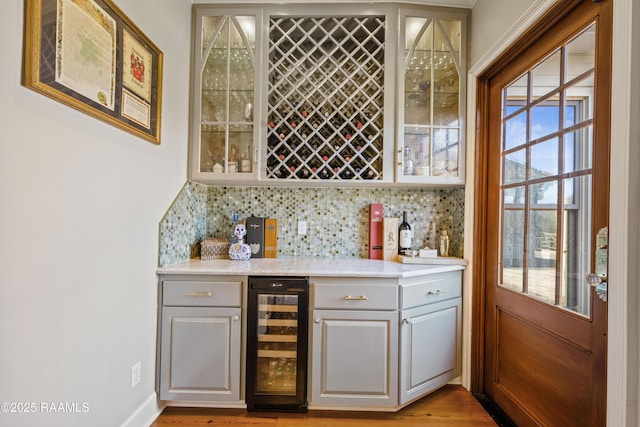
451 406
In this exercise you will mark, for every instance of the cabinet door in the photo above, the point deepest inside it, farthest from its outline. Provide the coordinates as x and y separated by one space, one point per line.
224 139
430 348
200 354
354 359
431 93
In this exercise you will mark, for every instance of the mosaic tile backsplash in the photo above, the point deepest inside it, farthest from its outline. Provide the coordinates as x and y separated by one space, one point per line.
337 218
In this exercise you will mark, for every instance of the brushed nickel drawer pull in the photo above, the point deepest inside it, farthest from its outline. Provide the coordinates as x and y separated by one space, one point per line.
199 294
436 292
360 298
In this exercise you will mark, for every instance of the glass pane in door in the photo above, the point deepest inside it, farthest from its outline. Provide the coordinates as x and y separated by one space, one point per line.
577 241
277 344
546 177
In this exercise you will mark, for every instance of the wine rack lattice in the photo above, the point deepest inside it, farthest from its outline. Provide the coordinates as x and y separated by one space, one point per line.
326 91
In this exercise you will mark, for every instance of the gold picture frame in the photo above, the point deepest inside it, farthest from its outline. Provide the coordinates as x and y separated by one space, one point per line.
88 55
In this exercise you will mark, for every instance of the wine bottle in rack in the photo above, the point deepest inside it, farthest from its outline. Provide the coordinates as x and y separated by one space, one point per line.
314 165
293 141
270 171
346 173
324 173
324 154
303 173
313 144
367 173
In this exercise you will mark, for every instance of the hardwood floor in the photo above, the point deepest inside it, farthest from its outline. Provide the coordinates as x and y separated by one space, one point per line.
451 406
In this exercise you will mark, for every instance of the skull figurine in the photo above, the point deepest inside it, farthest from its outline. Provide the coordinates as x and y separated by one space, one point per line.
240 250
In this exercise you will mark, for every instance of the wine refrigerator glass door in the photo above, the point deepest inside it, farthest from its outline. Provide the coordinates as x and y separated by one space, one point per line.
277 350
277 343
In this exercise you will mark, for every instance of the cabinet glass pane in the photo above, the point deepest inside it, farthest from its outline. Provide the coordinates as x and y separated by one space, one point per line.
446 79
227 94
431 98
417 147
445 152
418 46
210 32
212 148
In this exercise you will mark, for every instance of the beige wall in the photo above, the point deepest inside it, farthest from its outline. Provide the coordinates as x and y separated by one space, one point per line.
80 203
490 20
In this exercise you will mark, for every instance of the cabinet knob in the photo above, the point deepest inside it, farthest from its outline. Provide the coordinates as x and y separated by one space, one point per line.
316 320
235 317
407 320
436 292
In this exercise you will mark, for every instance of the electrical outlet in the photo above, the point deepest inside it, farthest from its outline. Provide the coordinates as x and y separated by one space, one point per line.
135 374
302 228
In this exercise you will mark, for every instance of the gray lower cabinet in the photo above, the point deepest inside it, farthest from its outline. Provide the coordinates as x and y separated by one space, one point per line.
354 336
375 343
430 334
382 343
201 341
354 358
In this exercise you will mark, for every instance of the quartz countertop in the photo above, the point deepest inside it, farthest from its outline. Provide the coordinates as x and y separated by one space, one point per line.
337 267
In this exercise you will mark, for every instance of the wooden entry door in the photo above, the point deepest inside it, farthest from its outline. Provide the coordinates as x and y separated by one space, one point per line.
546 164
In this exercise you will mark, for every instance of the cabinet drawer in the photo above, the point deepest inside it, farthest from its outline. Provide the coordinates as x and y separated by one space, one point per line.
202 294
355 295
430 289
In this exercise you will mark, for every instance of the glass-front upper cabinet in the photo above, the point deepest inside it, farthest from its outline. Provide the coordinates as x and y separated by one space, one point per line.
431 94
224 136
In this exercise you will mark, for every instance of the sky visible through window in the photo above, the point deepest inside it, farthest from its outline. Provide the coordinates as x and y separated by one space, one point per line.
543 155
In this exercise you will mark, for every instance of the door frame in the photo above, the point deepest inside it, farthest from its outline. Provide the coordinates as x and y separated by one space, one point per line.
624 243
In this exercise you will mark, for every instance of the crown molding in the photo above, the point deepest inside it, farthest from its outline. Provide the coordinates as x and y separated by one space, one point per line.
466 4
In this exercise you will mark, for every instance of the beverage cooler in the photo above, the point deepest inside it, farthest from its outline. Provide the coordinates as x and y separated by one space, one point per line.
277 320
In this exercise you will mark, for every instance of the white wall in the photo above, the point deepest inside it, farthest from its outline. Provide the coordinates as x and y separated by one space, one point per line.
79 213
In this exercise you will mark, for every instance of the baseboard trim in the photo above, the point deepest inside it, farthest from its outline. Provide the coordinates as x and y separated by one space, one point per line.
146 413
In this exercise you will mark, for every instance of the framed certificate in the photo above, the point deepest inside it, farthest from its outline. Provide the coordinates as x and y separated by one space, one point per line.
88 55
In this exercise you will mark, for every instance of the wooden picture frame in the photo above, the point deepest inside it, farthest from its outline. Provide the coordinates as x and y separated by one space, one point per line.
88 55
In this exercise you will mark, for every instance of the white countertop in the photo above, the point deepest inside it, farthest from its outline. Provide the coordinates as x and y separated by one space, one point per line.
349 267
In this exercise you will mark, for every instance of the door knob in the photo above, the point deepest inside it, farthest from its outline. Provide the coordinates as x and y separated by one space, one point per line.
599 283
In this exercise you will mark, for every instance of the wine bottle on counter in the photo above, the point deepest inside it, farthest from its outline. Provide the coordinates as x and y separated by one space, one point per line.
404 235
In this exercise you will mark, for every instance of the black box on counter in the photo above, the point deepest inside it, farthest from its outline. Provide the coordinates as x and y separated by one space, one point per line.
255 236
